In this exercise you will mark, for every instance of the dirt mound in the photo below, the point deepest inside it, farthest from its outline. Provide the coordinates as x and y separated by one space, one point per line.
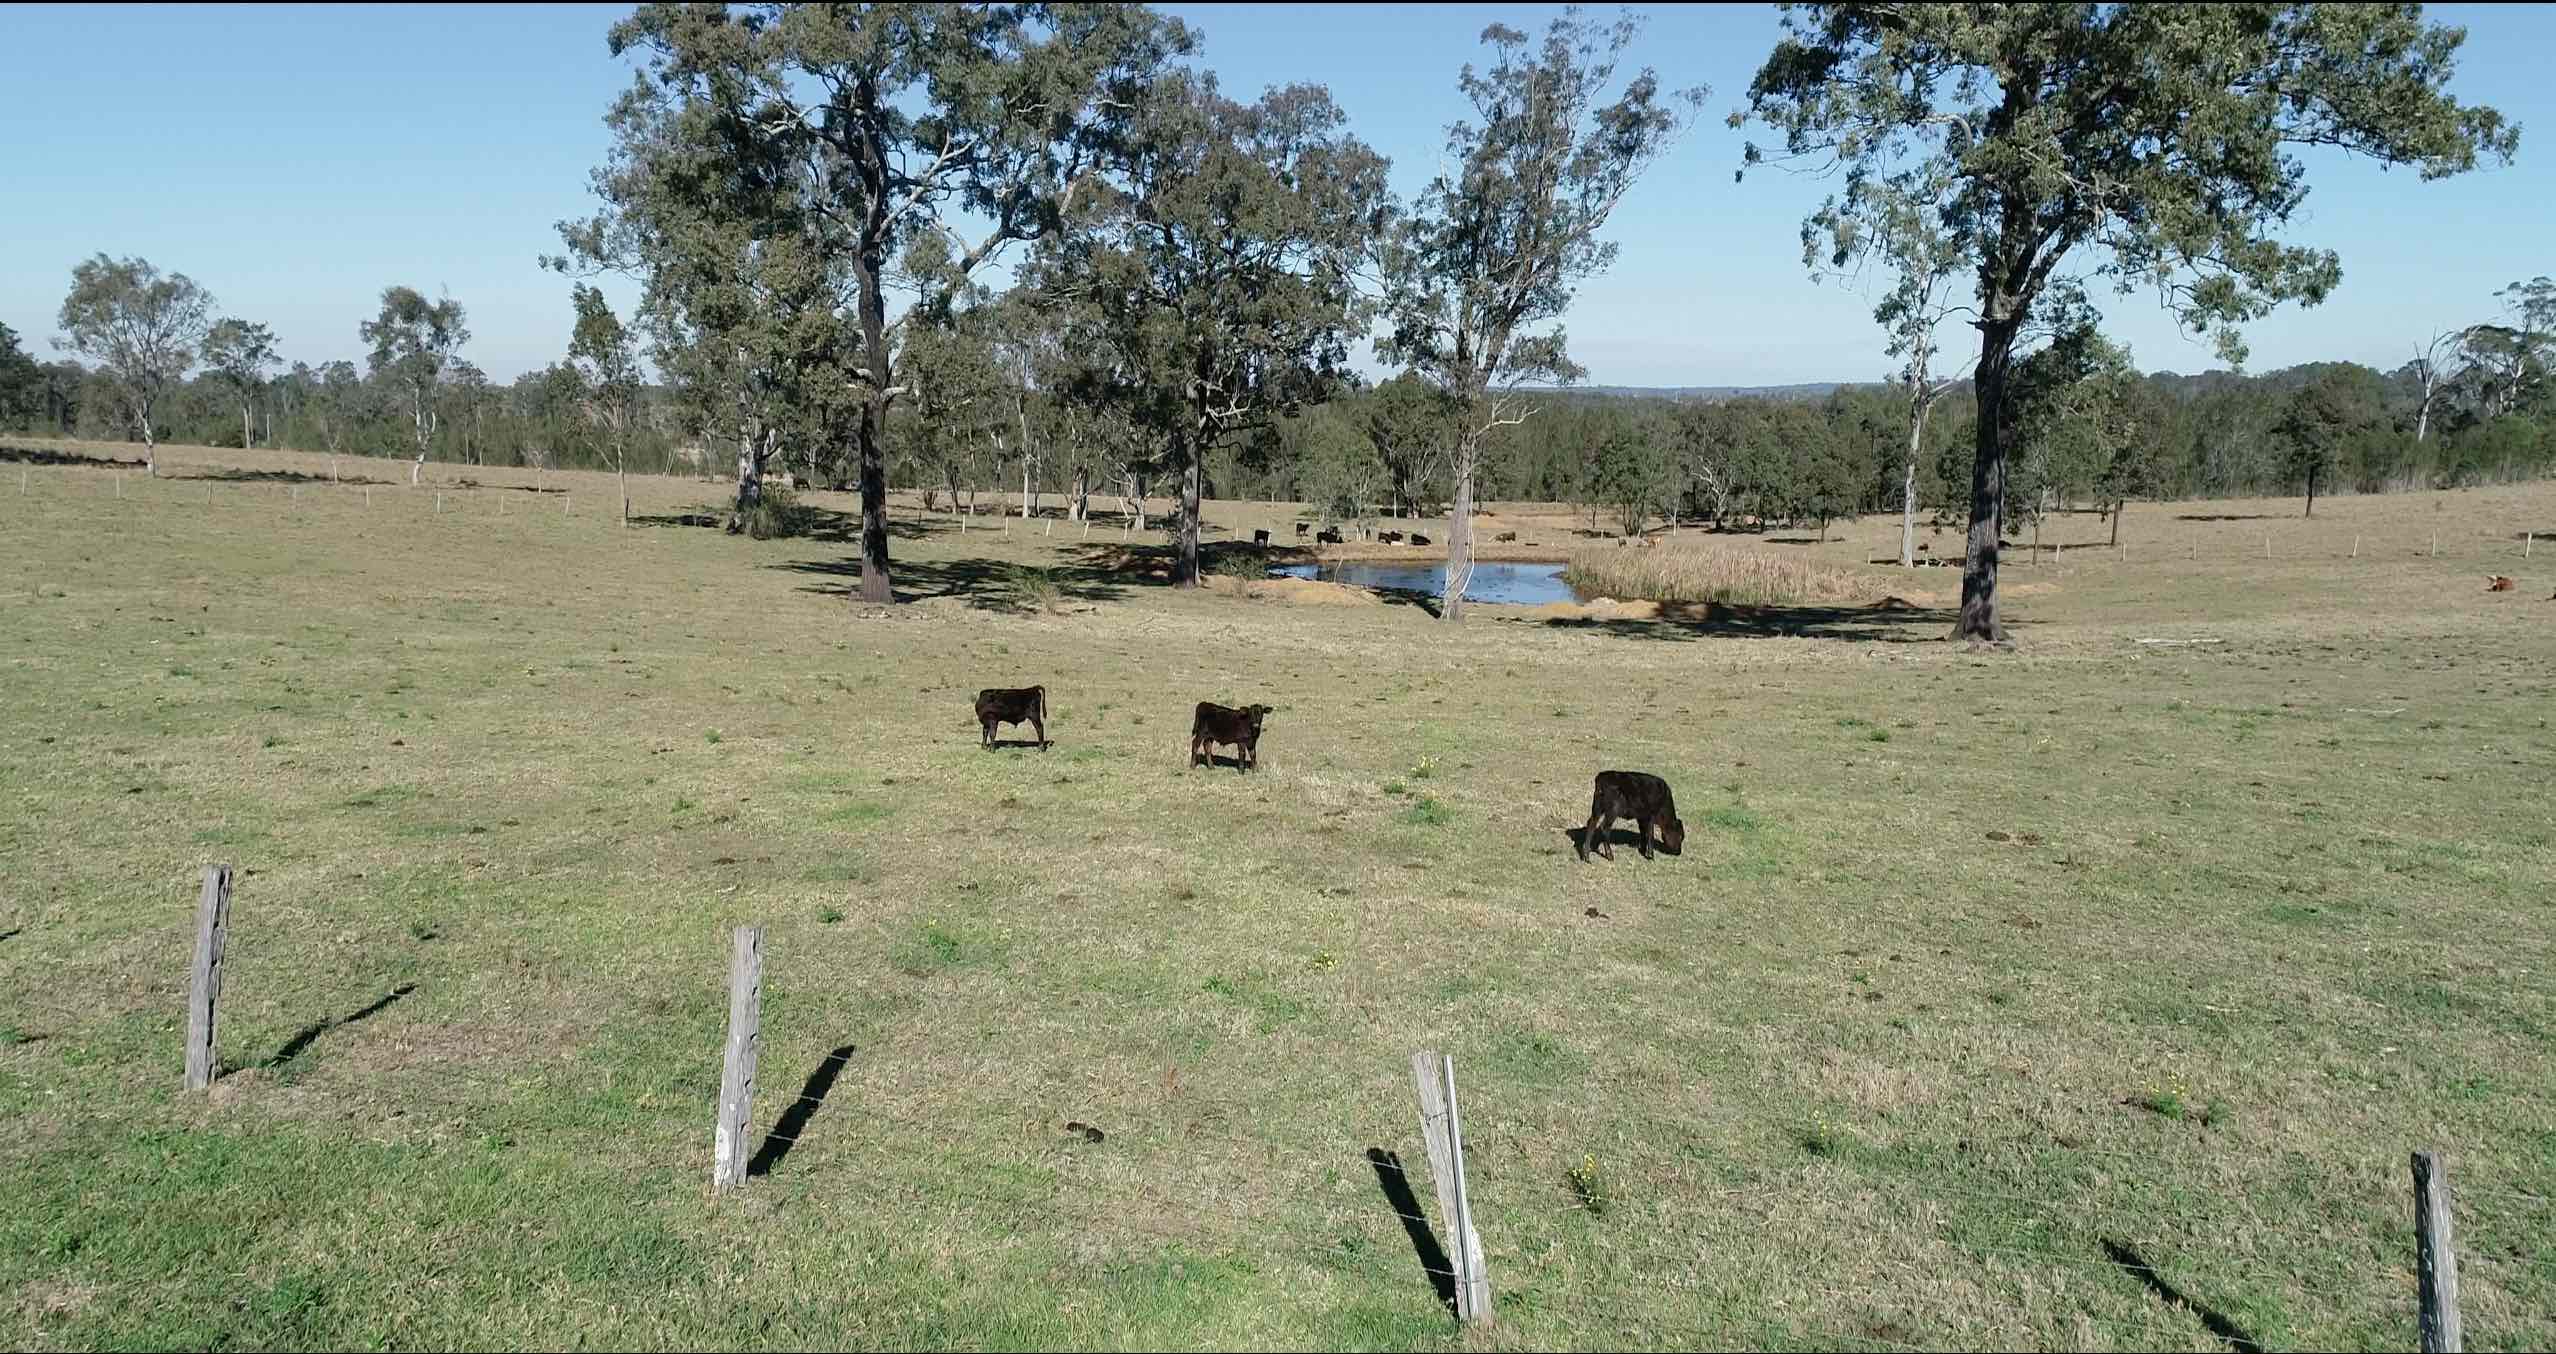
1309 592
1595 609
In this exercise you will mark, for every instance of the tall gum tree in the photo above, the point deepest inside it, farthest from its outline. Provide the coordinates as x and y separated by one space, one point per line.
1509 227
2158 138
862 127
413 340
1224 268
142 328
239 354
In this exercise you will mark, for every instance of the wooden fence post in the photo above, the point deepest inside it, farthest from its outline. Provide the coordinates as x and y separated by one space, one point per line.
745 1041
2436 1277
1442 1131
204 991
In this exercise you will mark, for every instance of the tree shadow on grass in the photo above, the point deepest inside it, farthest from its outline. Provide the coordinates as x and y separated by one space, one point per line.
235 475
1889 621
794 1120
466 482
694 518
828 525
2217 1322
45 456
293 1047
989 585
1415 1224
2231 516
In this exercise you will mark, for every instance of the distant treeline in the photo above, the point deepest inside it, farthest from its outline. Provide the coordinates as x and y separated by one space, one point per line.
542 418
1627 458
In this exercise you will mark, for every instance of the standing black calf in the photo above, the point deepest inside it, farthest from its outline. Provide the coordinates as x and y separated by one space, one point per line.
1238 729
1027 705
1260 538
1637 795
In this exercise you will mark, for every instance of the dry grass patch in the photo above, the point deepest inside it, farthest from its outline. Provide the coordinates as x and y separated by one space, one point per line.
1716 573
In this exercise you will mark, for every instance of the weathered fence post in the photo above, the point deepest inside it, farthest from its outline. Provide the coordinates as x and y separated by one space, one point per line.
1442 1131
2356 547
2436 1278
745 1041
439 502
2528 539
204 991
2436 545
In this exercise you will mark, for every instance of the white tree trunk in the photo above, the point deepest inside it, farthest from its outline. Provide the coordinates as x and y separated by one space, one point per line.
1459 539
1908 515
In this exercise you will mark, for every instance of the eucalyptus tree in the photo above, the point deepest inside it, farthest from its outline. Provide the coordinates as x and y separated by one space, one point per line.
238 354
798 150
413 340
1507 230
606 359
1223 266
143 329
2153 141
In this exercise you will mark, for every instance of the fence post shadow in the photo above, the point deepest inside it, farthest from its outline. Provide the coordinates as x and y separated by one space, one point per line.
785 1133
2215 1320
303 1038
1415 1224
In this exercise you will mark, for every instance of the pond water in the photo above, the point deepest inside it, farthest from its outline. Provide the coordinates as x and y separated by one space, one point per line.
1523 584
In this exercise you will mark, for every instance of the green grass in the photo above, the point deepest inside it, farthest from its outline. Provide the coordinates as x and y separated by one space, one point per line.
1847 1073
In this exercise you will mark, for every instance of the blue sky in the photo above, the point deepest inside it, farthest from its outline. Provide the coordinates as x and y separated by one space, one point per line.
296 160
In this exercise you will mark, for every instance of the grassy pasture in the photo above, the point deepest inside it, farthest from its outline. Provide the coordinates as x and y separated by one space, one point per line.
2085 996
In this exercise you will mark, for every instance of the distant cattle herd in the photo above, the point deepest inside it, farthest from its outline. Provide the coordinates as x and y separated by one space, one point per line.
1635 795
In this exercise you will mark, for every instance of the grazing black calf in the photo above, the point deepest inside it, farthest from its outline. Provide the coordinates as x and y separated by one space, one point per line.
1327 538
1302 528
1027 705
1237 729
1418 539
1506 536
1260 538
1389 537
1637 795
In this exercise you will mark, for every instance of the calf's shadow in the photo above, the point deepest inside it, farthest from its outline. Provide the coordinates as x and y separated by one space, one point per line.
1627 838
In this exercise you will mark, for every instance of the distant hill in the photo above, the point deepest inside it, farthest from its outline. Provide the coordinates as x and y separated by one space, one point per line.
1810 390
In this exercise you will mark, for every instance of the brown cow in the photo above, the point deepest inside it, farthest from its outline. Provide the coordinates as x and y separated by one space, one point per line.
2498 583
1237 729
1026 705
1637 795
